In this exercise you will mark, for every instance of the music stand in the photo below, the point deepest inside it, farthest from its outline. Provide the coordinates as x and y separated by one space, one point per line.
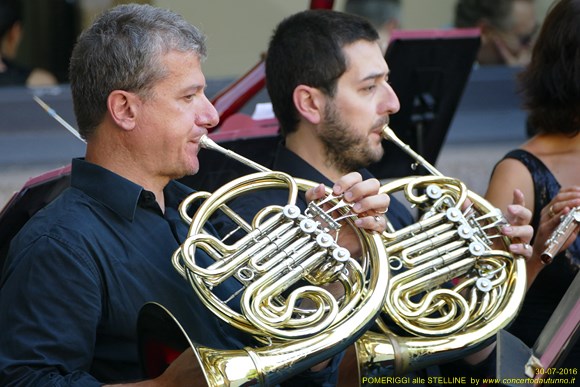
429 71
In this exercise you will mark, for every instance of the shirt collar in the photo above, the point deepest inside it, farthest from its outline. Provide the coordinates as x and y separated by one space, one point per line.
115 192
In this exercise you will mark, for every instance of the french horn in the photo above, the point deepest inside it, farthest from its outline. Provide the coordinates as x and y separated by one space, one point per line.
432 292
454 283
287 263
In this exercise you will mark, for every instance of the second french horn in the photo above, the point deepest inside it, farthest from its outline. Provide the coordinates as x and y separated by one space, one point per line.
454 283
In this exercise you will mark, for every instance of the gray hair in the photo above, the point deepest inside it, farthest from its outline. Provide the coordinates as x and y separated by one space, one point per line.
122 51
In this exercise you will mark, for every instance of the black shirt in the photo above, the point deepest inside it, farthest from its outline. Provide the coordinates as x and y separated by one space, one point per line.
77 275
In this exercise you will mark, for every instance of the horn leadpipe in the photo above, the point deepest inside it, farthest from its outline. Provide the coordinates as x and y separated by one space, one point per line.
389 134
208 143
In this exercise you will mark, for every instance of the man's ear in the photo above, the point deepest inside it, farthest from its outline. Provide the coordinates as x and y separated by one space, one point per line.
309 101
123 107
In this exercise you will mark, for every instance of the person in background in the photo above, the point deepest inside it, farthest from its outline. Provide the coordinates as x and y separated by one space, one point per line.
79 271
384 15
328 83
11 29
508 29
544 167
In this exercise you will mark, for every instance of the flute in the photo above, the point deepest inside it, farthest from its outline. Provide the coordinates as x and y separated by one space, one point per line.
568 225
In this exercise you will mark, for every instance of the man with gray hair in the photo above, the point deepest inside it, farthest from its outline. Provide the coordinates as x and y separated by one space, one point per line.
78 273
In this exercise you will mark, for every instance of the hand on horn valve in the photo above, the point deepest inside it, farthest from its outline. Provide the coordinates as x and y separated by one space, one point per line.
367 203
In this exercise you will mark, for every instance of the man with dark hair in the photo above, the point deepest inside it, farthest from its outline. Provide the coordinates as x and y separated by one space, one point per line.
328 84
329 90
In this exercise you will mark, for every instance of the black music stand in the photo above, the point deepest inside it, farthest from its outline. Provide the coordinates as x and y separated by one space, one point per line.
429 71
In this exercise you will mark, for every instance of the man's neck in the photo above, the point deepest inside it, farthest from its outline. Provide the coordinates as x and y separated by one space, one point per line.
311 150
118 160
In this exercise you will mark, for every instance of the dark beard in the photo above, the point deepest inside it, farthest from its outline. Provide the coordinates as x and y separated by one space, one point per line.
345 151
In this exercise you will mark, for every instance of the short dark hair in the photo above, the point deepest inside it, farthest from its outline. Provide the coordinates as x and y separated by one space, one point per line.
306 49
550 84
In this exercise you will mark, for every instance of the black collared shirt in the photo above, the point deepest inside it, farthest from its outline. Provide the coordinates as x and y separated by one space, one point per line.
77 275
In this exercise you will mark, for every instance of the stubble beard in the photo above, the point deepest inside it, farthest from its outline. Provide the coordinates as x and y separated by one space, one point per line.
345 150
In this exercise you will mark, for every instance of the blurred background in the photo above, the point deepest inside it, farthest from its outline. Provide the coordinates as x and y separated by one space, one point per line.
488 121
238 31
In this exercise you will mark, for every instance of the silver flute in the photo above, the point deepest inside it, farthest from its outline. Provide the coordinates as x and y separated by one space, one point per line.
568 225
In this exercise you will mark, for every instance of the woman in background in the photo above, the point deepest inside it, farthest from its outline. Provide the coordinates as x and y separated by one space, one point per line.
545 168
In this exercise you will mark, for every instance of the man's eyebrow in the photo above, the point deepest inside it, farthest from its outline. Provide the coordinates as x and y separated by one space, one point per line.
373 76
195 88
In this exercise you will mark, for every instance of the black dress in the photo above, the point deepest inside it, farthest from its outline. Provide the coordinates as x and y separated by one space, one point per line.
553 281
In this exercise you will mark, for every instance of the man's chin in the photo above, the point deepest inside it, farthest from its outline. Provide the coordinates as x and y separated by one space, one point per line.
377 153
192 171
189 171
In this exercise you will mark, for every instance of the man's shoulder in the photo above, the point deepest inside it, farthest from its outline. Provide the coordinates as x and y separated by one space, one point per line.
69 214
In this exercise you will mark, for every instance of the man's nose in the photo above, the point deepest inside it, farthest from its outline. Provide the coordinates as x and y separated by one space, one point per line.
390 102
208 116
